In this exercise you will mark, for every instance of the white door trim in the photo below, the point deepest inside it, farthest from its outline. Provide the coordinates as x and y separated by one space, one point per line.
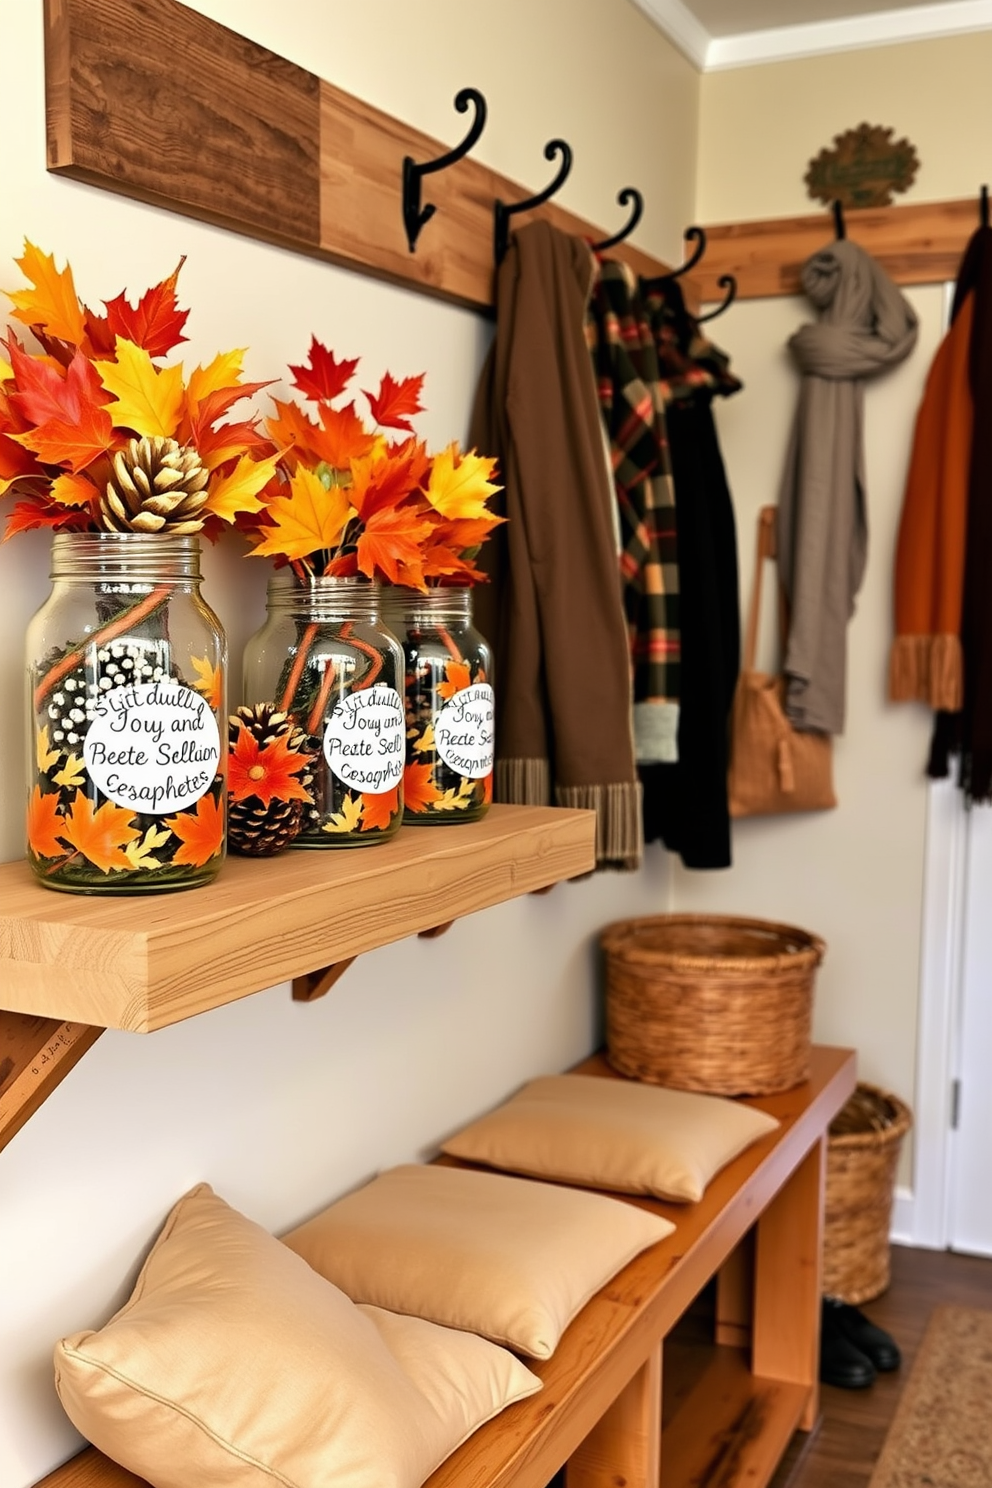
922 1219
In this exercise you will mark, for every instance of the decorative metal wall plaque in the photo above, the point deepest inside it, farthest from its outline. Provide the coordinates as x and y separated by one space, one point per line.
864 168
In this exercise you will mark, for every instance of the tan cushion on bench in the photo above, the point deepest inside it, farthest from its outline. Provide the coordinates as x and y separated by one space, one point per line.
233 1363
612 1133
504 1257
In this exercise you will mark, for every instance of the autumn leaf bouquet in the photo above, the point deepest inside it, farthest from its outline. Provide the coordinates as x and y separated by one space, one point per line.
125 459
358 510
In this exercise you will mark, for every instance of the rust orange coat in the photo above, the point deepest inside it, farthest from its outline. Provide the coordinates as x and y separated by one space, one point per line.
925 662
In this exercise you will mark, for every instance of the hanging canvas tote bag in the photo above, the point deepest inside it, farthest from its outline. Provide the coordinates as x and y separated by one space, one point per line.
774 768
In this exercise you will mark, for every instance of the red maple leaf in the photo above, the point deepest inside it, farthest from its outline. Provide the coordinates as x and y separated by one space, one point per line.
380 809
396 402
70 424
155 323
24 516
268 773
322 378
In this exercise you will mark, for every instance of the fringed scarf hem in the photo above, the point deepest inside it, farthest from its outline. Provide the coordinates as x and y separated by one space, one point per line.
619 824
927 669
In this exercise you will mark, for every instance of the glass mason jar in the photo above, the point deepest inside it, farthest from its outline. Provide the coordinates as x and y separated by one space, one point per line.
449 705
325 658
127 718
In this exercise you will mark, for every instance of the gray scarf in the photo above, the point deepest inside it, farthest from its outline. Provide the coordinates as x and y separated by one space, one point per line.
864 326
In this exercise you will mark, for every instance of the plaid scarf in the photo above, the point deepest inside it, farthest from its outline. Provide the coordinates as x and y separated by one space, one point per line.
687 360
628 379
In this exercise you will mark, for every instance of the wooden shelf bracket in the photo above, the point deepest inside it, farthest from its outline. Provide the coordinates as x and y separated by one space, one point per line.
36 1054
316 984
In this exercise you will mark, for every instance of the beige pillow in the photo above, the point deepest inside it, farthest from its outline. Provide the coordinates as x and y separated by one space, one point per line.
612 1133
505 1257
234 1364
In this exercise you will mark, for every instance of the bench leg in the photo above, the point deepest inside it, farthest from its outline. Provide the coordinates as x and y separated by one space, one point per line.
788 1282
625 1444
735 1296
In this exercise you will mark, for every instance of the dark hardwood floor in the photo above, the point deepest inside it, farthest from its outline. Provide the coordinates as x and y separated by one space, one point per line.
843 1452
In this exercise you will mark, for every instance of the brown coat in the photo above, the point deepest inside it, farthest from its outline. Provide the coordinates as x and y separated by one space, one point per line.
553 610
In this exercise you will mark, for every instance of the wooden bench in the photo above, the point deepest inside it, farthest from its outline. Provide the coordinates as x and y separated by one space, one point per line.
727 1410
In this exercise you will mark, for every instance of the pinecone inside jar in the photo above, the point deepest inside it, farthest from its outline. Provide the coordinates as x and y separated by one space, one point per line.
157 485
271 781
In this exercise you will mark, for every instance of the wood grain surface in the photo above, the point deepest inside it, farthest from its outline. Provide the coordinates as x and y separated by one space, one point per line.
36 1054
614 1340
152 100
915 244
267 920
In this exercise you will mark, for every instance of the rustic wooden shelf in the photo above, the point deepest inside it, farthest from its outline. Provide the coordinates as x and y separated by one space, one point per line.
141 963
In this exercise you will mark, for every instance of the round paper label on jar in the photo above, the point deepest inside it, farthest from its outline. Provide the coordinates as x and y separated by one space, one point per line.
463 731
154 747
365 740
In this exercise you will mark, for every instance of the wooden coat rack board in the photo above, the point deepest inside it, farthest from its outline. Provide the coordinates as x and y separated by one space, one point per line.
242 138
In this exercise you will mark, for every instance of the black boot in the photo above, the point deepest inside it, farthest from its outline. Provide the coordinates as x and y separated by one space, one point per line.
873 1341
842 1363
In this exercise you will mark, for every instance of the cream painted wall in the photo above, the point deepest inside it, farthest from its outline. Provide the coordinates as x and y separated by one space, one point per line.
854 875
761 126
282 1106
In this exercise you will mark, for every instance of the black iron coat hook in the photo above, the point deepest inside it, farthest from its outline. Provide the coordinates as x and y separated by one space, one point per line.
414 215
726 282
628 194
839 229
502 212
695 235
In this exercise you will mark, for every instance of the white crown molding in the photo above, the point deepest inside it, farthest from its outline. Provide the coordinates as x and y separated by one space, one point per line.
787 43
681 27
882 28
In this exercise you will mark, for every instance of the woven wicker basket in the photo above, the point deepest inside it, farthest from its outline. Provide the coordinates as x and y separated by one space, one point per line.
862 1153
710 1002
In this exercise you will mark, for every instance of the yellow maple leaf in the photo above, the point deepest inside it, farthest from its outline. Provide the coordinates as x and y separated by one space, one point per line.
348 818
72 490
426 740
149 398
238 490
43 751
53 303
210 680
309 520
223 372
139 853
459 485
72 773
456 799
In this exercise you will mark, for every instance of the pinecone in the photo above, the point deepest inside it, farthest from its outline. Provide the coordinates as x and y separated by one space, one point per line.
255 828
156 486
70 709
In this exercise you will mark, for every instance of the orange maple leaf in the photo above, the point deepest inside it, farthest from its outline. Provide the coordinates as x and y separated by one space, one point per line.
268 773
457 677
155 323
419 790
487 788
342 437
45 823
237 490
391 543
52 304
380 809
99 833
201 832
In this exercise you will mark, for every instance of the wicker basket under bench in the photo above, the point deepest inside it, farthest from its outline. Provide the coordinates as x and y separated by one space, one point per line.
758 1230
